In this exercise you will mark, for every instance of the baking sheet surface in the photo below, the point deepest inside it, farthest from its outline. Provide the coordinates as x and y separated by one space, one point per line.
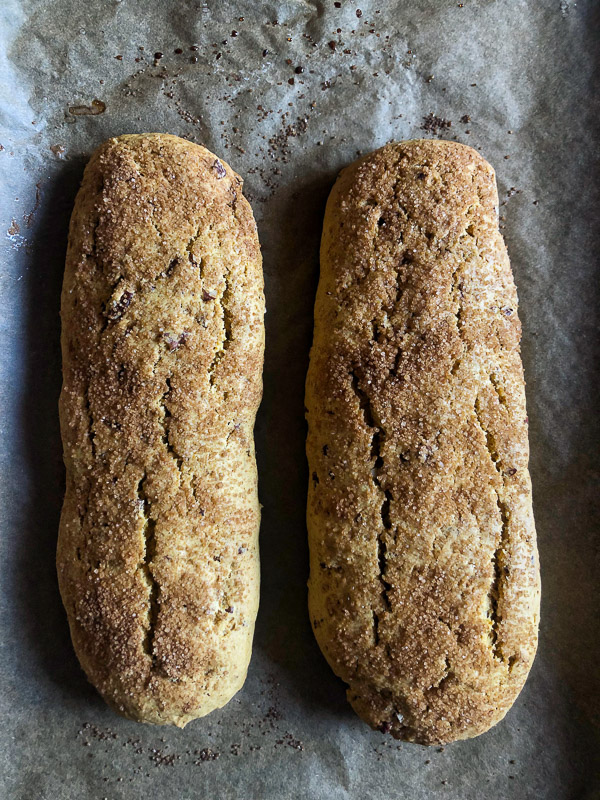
288 93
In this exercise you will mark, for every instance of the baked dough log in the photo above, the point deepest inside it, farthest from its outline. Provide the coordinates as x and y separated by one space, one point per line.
162 340
424 583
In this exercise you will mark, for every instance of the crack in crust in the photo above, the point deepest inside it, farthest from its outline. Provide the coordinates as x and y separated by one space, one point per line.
149 552
227 322
90 418
377 470
499 557
165 423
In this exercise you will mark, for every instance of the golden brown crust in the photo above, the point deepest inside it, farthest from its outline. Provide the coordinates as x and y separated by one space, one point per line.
163 336
424 582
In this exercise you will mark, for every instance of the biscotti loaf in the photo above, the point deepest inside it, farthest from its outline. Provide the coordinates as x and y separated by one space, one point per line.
424 582
162 340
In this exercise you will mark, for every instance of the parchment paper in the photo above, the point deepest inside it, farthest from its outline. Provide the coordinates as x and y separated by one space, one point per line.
288 93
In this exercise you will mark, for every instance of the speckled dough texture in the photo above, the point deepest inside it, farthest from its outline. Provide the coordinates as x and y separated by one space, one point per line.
424 582
162 340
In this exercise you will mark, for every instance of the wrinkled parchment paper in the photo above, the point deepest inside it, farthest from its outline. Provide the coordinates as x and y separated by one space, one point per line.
288 93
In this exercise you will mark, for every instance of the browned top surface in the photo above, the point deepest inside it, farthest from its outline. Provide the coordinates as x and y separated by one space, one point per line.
162 312
424 587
